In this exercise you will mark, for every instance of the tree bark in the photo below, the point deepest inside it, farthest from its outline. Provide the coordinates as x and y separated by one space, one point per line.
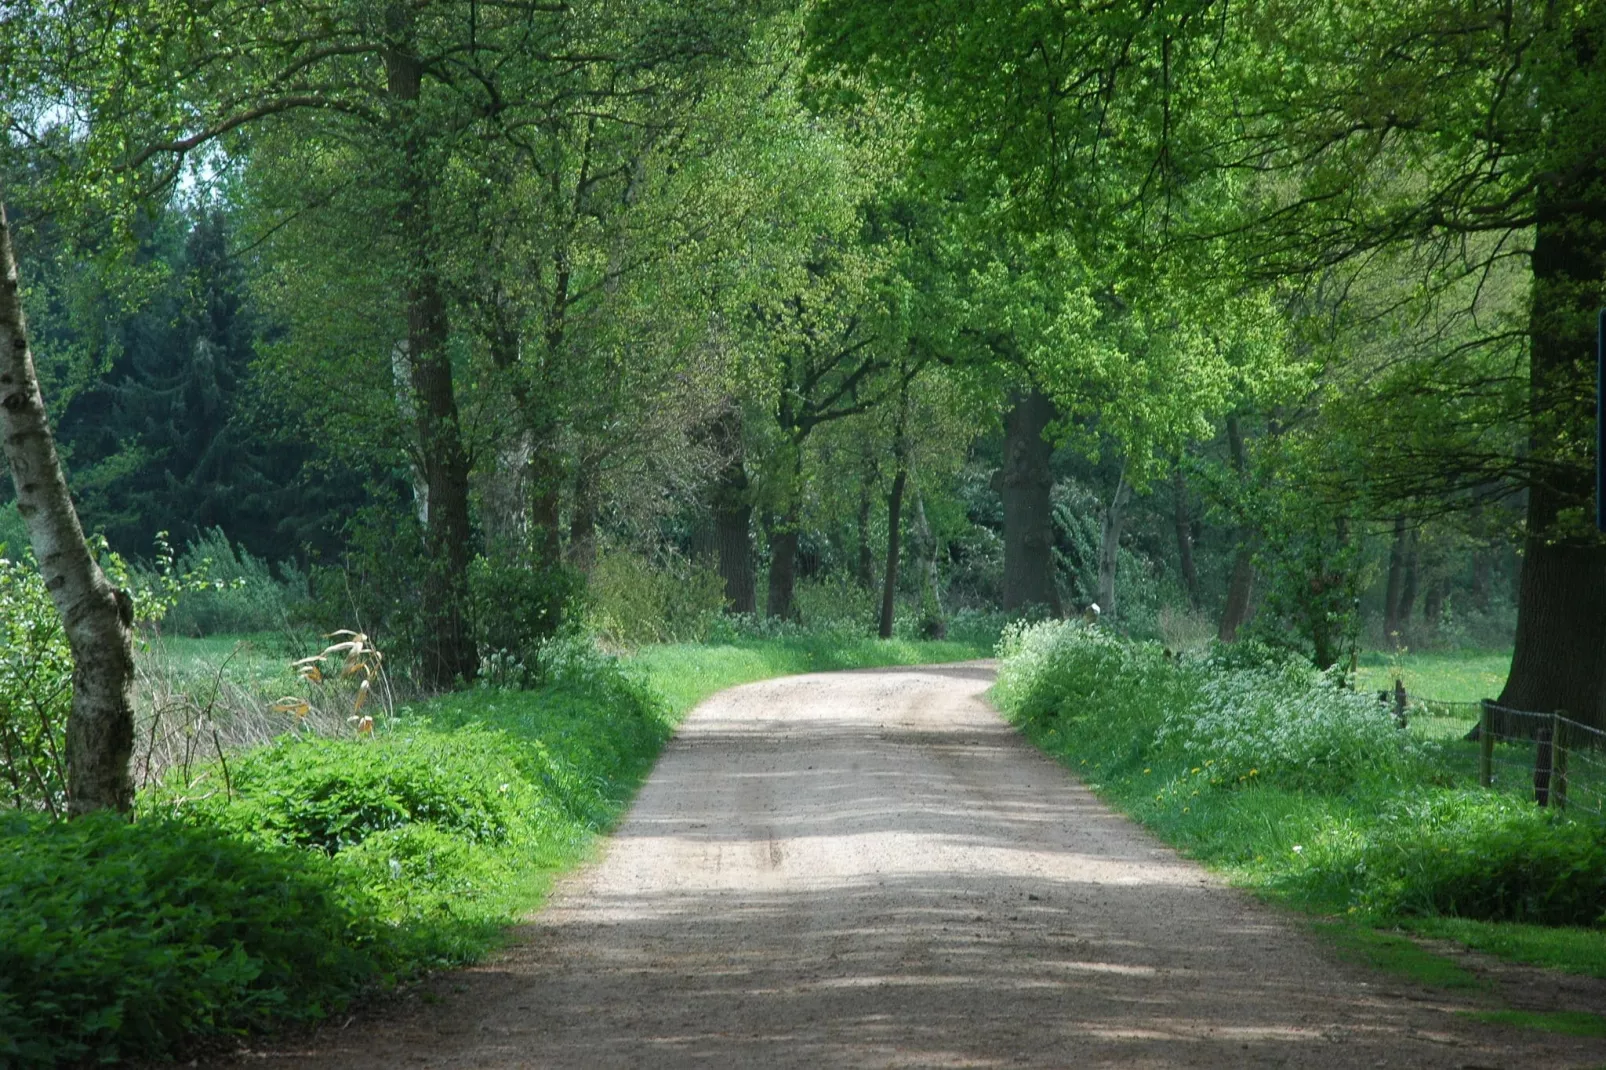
1408 586
1561 628
732 506
96 617
889 583
934 626
448 647
783 568
1024 483
1240 588
1182 516
1396 580
1110 542
583 515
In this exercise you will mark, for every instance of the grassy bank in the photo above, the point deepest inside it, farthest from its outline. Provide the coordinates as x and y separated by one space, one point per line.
281 884
1311 795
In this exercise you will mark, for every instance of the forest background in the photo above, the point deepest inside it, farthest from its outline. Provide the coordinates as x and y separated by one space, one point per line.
490 332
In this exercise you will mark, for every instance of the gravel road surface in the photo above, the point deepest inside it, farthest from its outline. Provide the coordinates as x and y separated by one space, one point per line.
871 869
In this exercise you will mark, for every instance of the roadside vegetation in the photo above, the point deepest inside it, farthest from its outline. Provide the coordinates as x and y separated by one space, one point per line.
325 864
1310 793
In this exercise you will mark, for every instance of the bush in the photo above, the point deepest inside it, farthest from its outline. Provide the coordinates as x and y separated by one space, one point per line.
120 941
636 600
1257 761
1473 854
245 595
519 603
332 794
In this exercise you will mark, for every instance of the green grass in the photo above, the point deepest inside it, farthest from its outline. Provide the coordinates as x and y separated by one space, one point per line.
1465 676
1566 948
1393 954
1571 1023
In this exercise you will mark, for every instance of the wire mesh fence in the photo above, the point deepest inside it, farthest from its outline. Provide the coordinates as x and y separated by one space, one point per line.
1548 757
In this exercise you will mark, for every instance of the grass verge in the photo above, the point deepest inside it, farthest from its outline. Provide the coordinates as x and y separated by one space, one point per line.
1310 795
279 886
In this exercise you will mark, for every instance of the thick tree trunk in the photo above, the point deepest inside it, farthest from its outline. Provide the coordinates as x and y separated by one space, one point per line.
1561 626
448 645
889 582
732 506
1182 516
96 617
583 515
1024 483
783 568
1396 580
1241 587
1110 542
546 500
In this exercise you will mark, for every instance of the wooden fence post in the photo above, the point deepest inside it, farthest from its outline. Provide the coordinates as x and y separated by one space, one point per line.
1485 746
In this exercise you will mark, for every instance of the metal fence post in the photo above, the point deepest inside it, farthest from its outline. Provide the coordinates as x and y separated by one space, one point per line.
1485 746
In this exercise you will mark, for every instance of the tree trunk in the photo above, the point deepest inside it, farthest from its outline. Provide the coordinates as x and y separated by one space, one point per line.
934 624
1183 518
583 517
783 568
96 617
1561 628
1240 588
889 582
1396 580
732 507
448 646
1110 542
546 500
1408 585
1024 483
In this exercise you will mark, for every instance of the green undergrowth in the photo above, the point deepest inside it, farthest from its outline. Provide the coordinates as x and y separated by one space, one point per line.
1309 793
311 870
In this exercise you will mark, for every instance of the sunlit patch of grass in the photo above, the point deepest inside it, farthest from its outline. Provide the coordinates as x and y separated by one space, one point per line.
1394 954
1568 948
1463 676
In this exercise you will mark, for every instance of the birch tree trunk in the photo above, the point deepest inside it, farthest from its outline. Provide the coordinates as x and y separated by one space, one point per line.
96 617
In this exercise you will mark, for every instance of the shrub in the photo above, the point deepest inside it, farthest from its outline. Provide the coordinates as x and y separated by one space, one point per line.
636 600
333 794
1289 725
121 941
246 593
519 603
1475 854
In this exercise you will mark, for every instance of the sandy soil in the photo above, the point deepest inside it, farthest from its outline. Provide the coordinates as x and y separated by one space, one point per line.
871 869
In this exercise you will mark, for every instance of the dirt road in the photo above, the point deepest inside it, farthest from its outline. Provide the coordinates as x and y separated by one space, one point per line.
871 869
